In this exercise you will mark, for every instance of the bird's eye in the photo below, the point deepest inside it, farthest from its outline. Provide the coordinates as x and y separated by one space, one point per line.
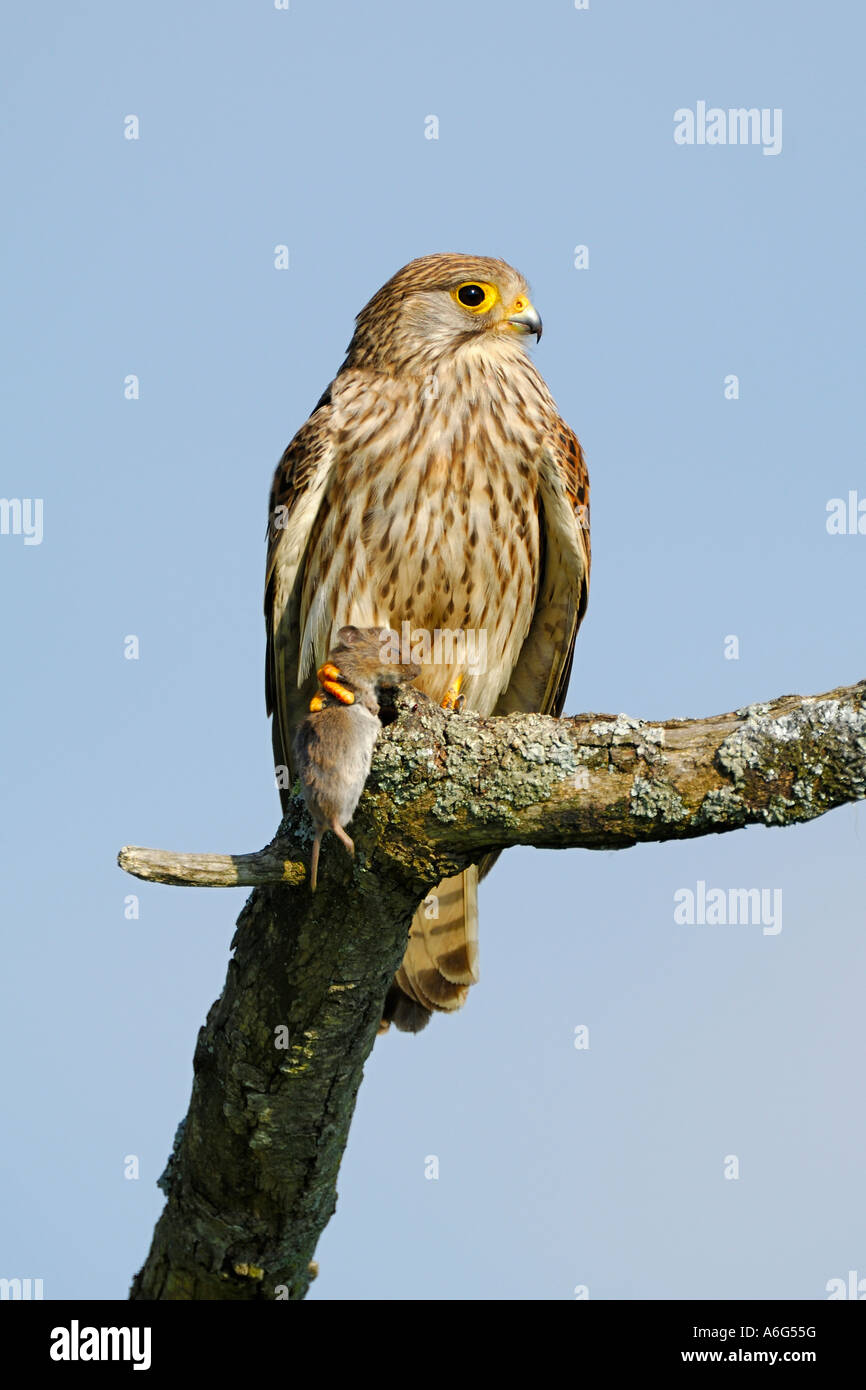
477 297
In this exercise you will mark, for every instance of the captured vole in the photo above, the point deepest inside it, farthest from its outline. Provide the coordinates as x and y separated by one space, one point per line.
333 744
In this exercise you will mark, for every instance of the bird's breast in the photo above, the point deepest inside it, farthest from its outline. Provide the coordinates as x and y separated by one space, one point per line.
431 522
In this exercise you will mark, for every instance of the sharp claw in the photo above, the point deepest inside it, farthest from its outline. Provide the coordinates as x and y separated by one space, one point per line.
338 691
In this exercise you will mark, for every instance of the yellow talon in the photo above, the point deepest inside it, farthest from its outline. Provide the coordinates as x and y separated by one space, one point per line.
339 692
329 678
452 694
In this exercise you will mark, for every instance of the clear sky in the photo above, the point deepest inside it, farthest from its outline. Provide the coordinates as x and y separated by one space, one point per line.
154 257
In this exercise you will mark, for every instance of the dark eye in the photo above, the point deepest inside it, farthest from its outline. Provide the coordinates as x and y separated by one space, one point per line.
471 295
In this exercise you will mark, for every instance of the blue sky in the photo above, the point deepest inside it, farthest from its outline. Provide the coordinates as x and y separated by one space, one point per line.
558 1167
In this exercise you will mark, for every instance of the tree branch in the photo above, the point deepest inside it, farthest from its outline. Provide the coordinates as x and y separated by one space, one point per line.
252 1181
450 784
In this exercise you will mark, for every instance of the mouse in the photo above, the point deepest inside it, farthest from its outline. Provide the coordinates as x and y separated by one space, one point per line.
333 744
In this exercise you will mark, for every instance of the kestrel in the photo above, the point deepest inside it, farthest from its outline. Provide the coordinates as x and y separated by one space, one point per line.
434 484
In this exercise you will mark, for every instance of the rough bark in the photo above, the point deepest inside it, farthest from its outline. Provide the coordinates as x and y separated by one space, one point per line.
252 1180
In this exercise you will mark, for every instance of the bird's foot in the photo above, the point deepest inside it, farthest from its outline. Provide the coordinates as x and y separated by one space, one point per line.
329 679
453 699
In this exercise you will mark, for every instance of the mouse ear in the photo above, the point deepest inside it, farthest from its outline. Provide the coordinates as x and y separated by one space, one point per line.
347 636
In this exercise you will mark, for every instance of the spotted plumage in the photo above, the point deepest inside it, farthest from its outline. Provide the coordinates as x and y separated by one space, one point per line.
434 484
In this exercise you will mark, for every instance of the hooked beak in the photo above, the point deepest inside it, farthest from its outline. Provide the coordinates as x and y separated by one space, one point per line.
524 318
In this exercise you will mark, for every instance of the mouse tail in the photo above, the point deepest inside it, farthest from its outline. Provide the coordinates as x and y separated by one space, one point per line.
314 861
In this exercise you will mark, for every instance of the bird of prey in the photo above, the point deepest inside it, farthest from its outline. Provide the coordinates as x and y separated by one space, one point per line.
434 483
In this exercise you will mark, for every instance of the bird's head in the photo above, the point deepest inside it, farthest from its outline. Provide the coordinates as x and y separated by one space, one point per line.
438 304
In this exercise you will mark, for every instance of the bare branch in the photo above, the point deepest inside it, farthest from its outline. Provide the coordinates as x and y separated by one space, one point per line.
268 865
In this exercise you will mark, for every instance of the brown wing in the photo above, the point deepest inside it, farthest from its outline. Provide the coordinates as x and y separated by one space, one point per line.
296 494
540 678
